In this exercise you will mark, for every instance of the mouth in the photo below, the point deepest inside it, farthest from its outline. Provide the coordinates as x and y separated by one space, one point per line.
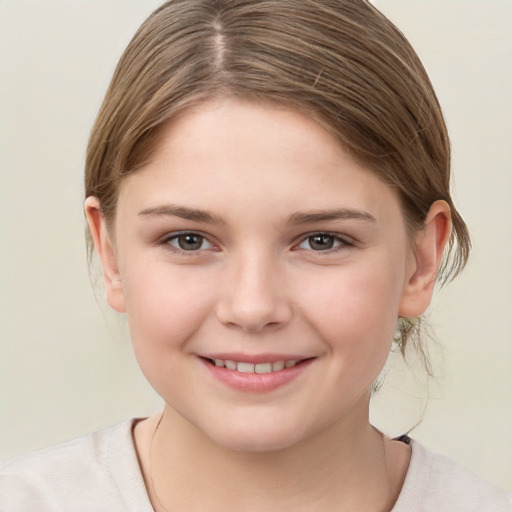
260 368
255 374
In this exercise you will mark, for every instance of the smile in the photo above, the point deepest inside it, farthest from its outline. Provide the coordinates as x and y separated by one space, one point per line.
260 373
254 367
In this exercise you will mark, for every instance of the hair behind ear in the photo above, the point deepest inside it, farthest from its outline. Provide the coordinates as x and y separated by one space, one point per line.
430 243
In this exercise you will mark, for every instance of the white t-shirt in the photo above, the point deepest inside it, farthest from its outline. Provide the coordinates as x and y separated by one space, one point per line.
100 473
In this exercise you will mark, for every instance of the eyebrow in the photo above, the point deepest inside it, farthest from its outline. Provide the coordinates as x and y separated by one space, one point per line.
328 215
182 212
306 217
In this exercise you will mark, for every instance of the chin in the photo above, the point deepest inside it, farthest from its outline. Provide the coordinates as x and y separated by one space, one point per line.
256 437
260 443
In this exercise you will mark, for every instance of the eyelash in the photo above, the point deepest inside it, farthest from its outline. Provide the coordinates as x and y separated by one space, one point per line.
339 242
167 242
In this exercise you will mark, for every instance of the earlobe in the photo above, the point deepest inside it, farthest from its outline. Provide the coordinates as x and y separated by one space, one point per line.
106 252
430 242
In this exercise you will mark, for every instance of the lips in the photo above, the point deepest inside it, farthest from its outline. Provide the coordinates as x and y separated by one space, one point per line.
262 373
245 367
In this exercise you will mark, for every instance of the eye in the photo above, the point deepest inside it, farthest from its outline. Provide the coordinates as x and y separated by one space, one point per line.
323 242
188 242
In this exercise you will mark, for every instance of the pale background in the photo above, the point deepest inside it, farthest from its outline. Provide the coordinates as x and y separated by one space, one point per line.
66 365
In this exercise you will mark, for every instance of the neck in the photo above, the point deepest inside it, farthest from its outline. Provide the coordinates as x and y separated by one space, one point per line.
348 466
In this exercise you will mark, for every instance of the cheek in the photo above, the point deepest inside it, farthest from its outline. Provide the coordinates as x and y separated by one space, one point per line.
355 310
165 305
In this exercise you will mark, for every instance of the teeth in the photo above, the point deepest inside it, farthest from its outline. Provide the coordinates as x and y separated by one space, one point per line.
255 368
245 367
278 365
263 368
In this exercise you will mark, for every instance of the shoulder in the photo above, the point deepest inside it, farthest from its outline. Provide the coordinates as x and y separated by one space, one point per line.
93 472
436 483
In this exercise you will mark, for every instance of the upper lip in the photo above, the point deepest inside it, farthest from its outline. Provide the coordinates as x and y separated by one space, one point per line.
254 358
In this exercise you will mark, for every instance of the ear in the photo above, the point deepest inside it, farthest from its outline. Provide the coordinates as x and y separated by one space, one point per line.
430 242
106 252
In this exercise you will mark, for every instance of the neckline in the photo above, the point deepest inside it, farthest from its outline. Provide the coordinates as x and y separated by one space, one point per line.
133 488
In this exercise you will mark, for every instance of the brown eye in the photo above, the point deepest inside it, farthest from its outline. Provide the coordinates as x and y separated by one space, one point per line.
323 242
189 242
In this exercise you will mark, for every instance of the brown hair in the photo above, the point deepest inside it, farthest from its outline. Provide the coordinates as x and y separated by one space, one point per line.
339 61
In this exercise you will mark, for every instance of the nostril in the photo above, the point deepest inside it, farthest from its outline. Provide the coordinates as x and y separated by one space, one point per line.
258 327
254 312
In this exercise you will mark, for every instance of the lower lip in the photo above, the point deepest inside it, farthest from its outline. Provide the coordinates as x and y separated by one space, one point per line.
256 382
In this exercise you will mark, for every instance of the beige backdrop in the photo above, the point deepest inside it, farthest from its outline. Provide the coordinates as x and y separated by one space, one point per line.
66 364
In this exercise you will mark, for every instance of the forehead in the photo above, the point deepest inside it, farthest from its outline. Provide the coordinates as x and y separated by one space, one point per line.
231 154
245 127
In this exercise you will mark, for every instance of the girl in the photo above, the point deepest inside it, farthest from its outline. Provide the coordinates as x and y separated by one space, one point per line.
267 188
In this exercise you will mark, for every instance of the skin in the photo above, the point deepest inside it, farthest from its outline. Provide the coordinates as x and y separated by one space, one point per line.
257 282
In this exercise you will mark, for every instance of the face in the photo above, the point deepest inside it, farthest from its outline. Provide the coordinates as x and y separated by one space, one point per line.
262 271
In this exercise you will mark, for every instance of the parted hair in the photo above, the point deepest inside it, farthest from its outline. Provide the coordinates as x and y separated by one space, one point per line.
341 62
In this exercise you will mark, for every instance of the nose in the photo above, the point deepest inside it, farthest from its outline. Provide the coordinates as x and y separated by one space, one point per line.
255 298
